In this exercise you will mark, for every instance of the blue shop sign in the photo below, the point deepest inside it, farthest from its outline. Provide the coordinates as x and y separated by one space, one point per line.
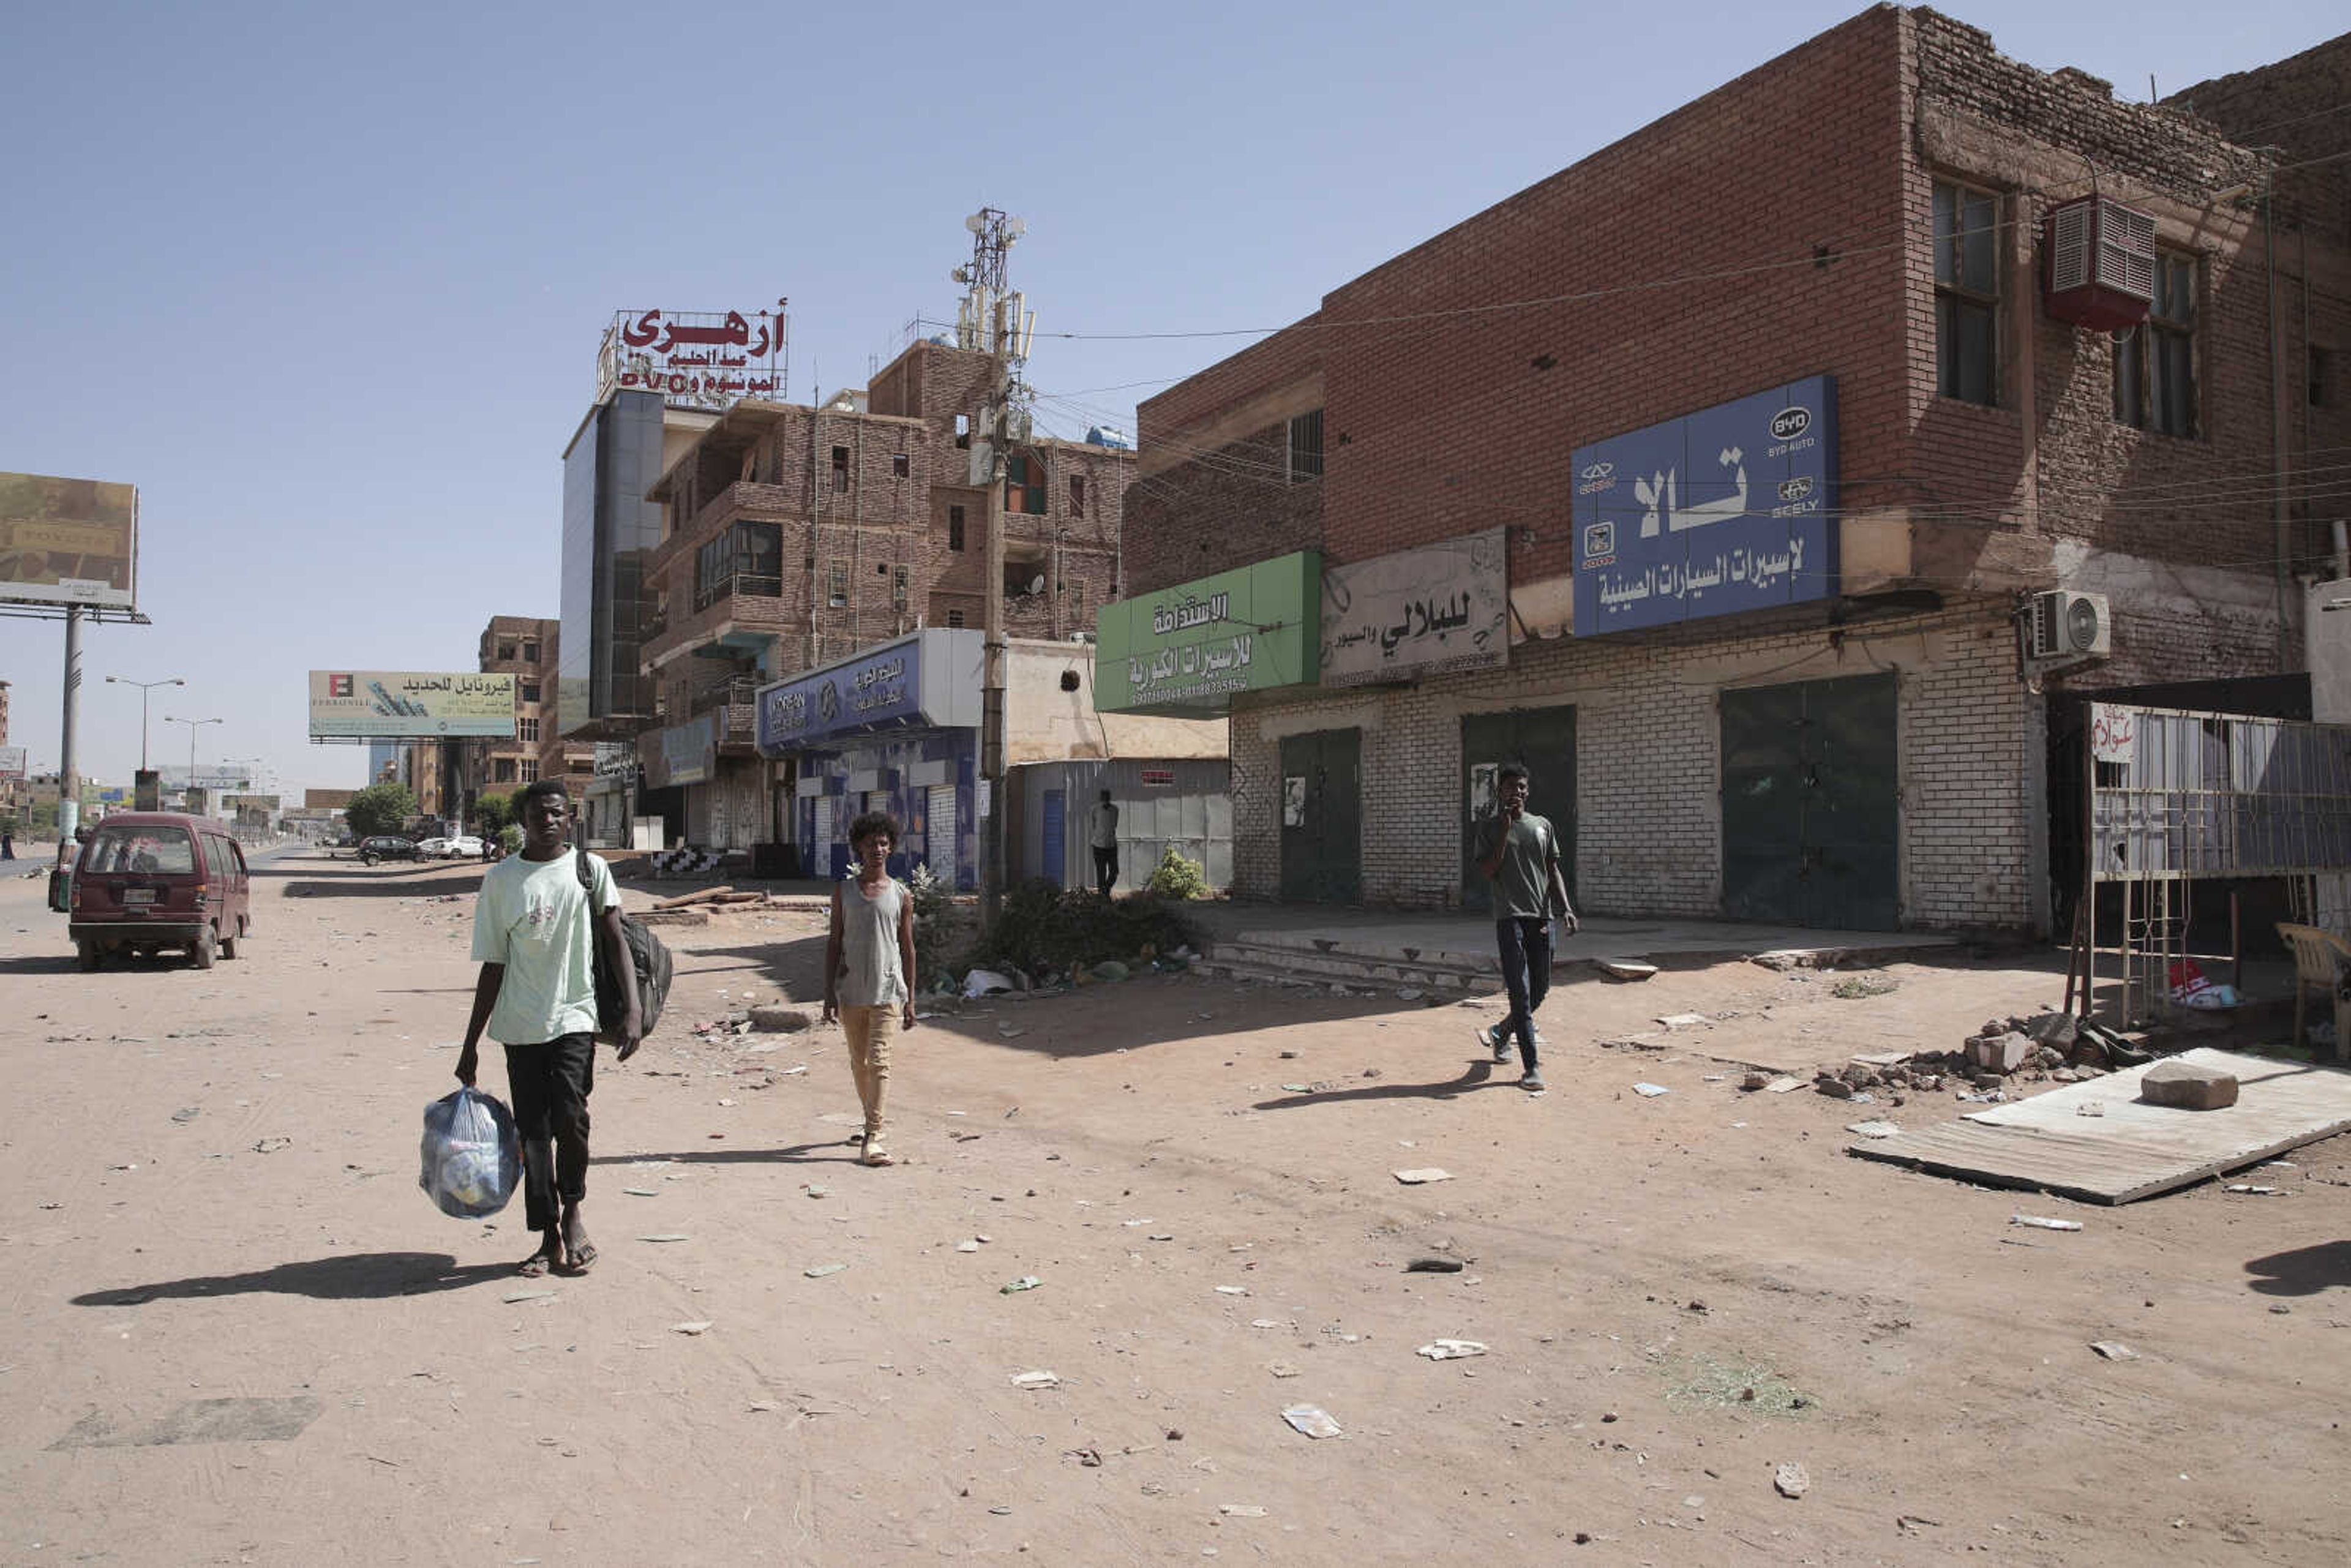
879 691
1728 509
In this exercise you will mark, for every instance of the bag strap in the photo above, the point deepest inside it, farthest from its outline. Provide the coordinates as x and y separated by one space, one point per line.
586 879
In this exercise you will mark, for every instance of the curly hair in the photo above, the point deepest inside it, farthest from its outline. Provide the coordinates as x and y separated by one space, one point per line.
865 826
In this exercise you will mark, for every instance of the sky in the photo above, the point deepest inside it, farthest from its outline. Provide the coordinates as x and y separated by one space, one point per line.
327 284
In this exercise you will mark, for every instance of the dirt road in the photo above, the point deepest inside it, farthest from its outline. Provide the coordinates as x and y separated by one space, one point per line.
237 1333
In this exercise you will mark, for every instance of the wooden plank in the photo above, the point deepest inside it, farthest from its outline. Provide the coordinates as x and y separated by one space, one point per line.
2090 1170
2130 1150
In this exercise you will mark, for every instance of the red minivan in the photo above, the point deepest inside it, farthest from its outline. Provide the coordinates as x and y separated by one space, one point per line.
151 880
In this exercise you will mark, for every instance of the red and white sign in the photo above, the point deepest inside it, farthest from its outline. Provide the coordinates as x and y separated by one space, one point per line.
699 360
2113 734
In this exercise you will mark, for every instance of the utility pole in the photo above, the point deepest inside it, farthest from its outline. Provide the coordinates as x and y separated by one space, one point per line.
997 321
68 775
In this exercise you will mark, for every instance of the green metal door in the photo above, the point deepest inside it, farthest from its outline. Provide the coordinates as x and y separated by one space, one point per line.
1321 816
1811 804
1542 741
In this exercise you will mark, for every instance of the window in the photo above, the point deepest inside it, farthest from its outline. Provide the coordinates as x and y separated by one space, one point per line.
526 729
529 768
840 469
1078 596
954 527
840 595
1967 294
530 653
529 691
963 431
1306 447
898 588
899 466
1077 495
2155 362
502 770
506 651
2320 365
1024 485
955 617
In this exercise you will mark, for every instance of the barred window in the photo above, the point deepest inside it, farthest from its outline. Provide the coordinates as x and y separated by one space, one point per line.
2155 361
1306 447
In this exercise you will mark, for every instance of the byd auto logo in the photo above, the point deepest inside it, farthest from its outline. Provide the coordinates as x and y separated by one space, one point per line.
1789 423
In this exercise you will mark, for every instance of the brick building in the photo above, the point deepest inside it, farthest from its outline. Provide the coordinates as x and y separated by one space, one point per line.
528 648
1717 477
794 537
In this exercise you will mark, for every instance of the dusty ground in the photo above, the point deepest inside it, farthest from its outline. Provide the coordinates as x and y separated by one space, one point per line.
209 1195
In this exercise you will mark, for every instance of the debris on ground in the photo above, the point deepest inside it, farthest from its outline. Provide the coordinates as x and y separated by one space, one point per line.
1450 1349
2114 1349
1313 1420
1791 1481
2189 1086
1434 1266
1626 969
1650 1090
1423 1175
1036 1380
2038 1223
1026 1282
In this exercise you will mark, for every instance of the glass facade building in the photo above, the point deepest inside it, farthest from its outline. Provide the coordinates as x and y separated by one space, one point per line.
609 529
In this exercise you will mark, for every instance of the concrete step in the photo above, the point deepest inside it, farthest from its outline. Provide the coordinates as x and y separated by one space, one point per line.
1227 968
1349 967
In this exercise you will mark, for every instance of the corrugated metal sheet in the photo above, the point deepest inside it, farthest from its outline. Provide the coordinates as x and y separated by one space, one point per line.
1193 813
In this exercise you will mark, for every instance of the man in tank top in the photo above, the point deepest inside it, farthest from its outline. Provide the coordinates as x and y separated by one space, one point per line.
869 964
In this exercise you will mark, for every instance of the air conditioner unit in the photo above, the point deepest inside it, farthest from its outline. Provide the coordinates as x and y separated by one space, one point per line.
2064 626
2101 264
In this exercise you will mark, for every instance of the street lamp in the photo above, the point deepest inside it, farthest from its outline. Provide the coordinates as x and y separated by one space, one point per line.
144 687
194 725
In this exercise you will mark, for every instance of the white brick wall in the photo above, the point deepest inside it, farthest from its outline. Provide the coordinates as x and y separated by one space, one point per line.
1647 806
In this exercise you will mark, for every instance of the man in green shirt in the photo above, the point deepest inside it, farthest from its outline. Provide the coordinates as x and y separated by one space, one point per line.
536 928
1518 853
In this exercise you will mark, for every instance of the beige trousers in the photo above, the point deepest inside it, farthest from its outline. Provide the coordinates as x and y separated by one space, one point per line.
870 1032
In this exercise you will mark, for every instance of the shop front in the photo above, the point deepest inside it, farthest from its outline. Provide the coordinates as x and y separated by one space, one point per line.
894 729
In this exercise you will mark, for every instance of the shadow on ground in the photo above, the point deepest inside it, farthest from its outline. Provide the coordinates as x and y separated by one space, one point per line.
832 1150
1477 1074
353 1277
39 963
2304 1271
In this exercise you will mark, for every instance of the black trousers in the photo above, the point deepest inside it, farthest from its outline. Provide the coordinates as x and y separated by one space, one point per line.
550 1082
1106 869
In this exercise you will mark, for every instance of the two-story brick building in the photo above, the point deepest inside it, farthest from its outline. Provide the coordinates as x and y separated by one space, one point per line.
1720 478
796 536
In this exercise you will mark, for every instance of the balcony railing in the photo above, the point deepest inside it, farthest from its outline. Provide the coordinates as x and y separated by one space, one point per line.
738 691
748 584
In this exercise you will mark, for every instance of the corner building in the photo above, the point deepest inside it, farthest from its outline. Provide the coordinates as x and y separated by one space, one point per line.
1718 477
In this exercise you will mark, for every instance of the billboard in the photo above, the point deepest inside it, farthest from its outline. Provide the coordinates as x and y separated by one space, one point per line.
1445 606
1184 651
68 541
371 705
1729 508
12 762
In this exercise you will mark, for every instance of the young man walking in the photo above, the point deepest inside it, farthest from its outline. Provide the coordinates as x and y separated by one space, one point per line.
869 968
1518 853
535 926
1101 832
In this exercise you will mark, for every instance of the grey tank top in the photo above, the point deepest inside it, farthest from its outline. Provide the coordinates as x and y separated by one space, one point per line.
870 973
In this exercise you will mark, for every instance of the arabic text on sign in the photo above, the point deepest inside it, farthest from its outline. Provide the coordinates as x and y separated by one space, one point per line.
1191 612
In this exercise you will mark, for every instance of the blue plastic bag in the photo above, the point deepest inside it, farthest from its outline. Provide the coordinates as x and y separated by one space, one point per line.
471 1159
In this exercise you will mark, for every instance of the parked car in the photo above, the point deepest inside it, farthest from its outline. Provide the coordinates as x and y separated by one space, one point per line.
146 881
432 848
464 847
386 847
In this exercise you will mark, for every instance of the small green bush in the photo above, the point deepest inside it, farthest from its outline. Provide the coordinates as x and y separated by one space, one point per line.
510 839
1177 878
1045 927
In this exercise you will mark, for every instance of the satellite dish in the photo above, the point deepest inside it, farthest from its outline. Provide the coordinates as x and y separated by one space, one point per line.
975 223
1036 584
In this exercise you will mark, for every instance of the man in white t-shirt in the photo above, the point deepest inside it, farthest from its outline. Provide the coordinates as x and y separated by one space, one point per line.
534 929
1101 832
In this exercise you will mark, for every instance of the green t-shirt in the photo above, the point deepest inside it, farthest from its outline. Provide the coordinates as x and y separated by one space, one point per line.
1522 884
533 918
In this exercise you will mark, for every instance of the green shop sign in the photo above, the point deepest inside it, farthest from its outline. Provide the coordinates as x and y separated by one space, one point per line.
1184 651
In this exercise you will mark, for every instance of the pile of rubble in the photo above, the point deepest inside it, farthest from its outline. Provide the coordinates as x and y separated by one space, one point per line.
2043 1048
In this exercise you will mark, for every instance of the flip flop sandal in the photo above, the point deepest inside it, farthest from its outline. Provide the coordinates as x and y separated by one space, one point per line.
877 1157
583 1259
533 1267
